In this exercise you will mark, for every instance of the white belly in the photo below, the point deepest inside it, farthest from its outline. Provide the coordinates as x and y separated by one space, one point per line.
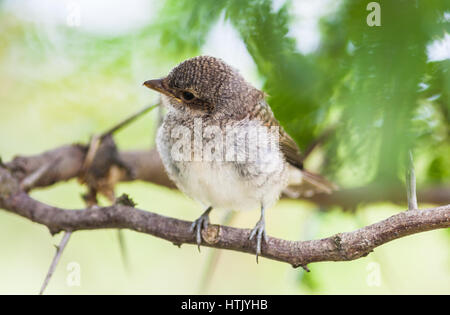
220 186
227 185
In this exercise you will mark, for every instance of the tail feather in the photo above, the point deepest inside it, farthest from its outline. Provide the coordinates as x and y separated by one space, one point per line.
309 185
319 182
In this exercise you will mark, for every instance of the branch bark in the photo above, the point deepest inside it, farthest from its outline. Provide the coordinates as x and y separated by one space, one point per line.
339 247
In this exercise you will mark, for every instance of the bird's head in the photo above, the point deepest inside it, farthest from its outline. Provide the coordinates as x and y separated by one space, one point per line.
206 85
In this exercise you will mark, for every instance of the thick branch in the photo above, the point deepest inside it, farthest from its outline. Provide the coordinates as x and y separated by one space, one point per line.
340 247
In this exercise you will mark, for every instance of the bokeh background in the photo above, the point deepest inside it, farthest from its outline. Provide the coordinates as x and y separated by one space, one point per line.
70 69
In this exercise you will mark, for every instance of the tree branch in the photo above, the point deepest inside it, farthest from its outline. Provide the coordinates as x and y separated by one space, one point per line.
339 247
67 162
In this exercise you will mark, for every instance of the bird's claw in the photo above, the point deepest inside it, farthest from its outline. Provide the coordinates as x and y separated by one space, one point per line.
198 225
260 232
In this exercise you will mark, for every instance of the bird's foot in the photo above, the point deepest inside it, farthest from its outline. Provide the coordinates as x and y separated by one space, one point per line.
260 232
200 224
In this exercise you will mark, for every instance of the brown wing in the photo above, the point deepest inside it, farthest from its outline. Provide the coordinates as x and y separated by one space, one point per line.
290 150
312 183
288 146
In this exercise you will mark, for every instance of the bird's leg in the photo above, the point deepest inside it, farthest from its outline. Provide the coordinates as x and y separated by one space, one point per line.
260 232
201 223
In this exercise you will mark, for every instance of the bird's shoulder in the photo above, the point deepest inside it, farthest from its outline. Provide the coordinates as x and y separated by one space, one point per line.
288 146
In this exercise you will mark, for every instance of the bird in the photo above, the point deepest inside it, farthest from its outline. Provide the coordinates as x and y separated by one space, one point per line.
221 144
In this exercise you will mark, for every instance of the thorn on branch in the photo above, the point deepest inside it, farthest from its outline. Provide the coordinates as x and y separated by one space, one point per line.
59 250
125 200
53 231
367 253
304 266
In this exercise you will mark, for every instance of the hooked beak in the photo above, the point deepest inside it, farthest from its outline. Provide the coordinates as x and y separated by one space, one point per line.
157 85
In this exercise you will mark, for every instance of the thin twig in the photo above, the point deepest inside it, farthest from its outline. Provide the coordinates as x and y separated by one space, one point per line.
96 140
93 147
30 181
128 121
59 250
92 151
411 183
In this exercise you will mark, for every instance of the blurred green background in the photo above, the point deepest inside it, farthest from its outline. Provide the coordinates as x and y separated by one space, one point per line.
69 69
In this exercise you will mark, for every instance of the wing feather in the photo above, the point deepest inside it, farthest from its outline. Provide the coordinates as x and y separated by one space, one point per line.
288 146
291 152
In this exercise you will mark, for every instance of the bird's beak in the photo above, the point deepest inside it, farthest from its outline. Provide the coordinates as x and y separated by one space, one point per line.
157 85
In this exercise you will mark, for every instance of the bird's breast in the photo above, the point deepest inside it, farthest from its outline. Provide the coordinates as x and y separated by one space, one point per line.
207 171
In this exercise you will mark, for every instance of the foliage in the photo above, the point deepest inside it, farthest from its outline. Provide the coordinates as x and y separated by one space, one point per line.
375 86
364 80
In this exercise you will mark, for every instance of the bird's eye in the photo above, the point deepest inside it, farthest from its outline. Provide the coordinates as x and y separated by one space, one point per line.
187 96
